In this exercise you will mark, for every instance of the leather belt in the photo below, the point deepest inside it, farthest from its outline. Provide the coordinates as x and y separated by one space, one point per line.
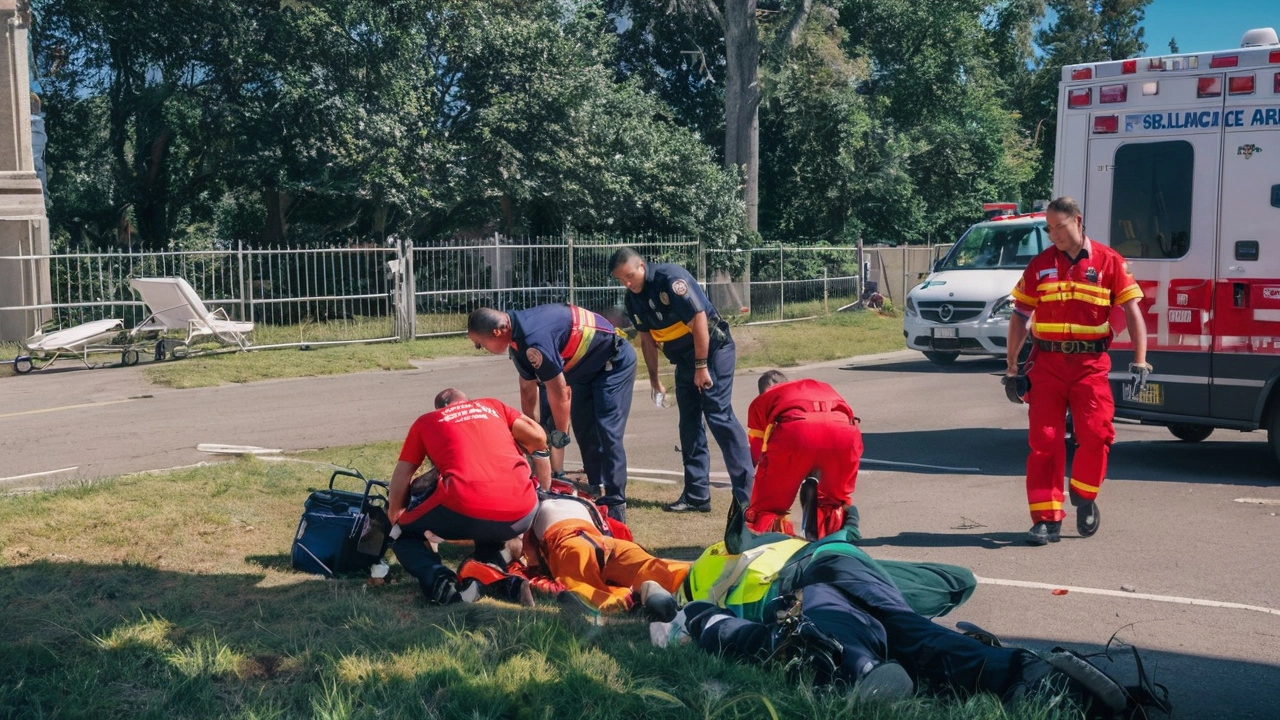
1071 347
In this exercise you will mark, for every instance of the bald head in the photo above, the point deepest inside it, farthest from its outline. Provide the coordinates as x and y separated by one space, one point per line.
449 396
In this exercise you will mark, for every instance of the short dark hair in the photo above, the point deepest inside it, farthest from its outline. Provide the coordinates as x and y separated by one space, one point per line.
622 257
1066 205
769 379
449 396
485 320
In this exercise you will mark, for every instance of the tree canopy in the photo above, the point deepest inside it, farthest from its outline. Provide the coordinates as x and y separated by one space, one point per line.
177 123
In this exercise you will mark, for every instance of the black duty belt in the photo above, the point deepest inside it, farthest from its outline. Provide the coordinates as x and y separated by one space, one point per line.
1073 346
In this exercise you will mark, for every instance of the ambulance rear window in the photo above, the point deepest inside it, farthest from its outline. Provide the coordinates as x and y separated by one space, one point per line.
1151 199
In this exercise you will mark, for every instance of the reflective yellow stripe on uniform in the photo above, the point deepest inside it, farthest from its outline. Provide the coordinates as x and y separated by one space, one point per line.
1130 293
1078 296
1081 486
1078 332
669 333
1073 286
1024 298
1051 505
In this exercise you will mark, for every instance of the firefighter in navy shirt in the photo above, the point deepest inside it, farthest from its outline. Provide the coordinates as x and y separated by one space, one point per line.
589 372
669 309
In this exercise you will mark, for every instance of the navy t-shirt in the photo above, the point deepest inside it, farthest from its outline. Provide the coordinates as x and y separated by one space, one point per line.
666 305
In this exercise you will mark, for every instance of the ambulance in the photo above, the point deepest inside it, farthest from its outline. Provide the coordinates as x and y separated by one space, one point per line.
1176 163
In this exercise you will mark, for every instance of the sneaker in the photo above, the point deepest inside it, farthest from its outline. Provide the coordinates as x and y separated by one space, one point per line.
448 590
1043 533
684 506
885 683
659 604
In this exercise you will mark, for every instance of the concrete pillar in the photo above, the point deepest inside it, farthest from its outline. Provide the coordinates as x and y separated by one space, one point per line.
24 227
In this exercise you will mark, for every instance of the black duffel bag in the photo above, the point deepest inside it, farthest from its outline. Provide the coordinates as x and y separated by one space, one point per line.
342 531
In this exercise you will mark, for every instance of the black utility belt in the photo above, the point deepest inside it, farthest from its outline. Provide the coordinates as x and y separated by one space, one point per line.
1072 347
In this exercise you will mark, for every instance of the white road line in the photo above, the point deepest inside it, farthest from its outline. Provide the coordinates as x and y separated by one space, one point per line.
918 465
40 474
1136 596
1257 501
66 407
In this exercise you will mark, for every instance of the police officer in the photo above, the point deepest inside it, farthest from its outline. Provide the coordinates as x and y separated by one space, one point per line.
669 308
588 370
1071 288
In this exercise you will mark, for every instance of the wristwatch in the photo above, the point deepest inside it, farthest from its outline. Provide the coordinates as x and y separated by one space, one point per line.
558 438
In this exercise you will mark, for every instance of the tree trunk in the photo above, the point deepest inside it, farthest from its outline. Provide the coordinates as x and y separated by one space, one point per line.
276 229
742 100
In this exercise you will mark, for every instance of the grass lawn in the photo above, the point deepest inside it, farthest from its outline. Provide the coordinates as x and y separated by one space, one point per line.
170 596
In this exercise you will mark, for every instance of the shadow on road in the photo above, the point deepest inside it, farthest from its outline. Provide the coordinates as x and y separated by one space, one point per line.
993 451
975 366
985 540
1004 452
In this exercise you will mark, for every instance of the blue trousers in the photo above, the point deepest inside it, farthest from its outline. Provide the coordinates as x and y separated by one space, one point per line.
598 413
873 623
716 406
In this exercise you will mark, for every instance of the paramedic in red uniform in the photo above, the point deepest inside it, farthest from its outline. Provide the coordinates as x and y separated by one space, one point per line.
797 429
1071 289
484 491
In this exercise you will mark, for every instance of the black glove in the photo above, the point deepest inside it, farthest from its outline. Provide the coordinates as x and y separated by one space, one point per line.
1138 373
1016 387
558 439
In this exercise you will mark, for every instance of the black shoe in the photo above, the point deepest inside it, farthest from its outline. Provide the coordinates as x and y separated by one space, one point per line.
1043 533
618 512
887 682
659 604
1088 517
684 506
448 590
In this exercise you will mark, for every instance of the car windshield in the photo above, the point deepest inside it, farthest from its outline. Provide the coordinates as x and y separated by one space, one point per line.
997 246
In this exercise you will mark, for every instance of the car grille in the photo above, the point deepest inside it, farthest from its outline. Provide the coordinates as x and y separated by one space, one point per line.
958 311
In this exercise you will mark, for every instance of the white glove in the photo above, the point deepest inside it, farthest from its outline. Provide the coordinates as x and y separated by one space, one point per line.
1138 373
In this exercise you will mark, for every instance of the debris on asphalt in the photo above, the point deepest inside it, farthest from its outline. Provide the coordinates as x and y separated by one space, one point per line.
1060 591
1128 588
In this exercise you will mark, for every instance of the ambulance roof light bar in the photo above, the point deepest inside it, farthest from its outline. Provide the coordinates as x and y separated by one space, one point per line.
1259 37
996 210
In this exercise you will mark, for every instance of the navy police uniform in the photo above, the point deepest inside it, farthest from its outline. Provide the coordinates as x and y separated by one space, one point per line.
599 365
664 308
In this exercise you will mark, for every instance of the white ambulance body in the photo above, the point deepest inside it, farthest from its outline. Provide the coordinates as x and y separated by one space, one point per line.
1175 161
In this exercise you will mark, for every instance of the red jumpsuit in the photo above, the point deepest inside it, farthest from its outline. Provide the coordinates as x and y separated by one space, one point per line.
1072 303
796 428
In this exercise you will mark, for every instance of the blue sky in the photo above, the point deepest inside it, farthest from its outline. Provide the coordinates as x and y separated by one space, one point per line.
1201 25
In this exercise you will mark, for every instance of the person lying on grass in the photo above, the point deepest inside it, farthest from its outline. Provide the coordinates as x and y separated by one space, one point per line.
828 608
581 550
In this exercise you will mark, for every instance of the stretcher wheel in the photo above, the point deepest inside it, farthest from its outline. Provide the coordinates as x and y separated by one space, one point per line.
129 357
23 365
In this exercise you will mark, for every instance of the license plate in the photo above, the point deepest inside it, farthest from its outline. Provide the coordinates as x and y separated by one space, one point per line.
944 332
1152 394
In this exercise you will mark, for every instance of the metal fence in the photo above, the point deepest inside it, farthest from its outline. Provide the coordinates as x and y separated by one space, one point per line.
372 293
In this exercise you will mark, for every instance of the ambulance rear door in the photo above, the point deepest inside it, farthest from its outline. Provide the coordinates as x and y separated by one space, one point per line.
1151 193
1247 297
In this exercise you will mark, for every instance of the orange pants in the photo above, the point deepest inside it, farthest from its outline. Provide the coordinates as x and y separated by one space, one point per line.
603 570
1057 381
823 444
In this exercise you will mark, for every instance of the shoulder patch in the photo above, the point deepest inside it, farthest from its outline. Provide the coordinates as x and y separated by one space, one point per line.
665 298
534 357
1128 269
680 287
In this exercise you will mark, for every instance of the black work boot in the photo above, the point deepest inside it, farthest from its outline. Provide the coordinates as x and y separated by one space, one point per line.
1043 533
809 508
1088 517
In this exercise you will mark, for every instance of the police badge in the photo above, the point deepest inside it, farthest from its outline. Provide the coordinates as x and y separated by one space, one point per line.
534 357
680 288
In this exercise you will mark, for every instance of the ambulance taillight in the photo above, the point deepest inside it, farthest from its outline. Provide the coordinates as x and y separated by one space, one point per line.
1209 87
1079 98
1113 93
1106 124
1240 85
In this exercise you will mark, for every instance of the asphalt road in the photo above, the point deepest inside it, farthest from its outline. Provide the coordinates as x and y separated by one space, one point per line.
1176 549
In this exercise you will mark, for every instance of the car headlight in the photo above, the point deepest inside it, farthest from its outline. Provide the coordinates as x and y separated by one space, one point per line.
911 306
1003 309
